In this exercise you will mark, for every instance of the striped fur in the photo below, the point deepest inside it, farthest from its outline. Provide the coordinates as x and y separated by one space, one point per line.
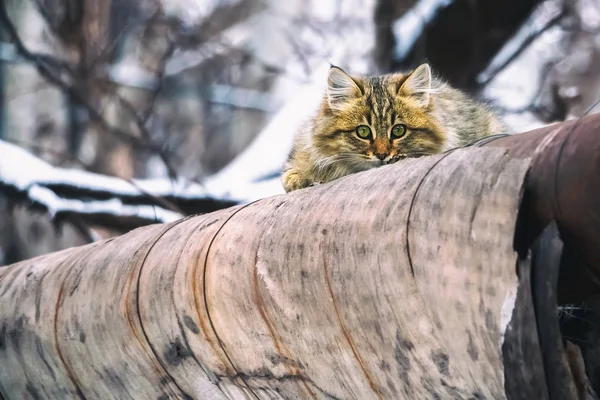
436 118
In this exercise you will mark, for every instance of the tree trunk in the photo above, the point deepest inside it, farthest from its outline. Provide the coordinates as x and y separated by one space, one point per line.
35 118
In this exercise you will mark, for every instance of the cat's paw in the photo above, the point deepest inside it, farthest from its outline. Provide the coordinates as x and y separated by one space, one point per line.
315 184
293 180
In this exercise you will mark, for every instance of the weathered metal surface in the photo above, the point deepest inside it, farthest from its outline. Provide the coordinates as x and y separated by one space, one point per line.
394 283
563 184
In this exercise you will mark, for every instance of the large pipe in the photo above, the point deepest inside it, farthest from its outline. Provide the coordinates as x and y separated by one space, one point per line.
394 283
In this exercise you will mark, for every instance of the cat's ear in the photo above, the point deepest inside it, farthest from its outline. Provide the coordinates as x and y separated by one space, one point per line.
341 88
418 85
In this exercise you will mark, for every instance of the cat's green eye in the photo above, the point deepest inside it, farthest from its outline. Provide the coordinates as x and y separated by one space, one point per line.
398 131
363 131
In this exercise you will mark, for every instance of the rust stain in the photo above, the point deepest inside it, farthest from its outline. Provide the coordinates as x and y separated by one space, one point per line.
131 319
203 323
412 205
346 333
59 352
194 273
134 315
563 171
280 348
260 304
188 321
204 272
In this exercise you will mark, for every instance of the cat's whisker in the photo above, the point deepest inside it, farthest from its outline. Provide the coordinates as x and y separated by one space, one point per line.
347 158
414 154
327 161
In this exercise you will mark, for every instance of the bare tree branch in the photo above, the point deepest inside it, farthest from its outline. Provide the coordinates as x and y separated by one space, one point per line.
62 75
546 15
99 199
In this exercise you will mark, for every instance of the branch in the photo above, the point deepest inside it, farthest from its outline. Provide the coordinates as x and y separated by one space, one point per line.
276 138
409 28
544 16
517 76
99 199
54 71
248 177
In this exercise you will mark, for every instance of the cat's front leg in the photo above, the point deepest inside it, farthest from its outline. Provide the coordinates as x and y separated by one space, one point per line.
294 179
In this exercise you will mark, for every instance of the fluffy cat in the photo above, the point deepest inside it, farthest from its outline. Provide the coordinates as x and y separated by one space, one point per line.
364 122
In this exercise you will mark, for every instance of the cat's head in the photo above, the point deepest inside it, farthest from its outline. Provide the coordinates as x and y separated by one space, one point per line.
367 121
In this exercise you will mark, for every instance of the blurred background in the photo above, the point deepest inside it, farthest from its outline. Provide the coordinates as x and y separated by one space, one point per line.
121 113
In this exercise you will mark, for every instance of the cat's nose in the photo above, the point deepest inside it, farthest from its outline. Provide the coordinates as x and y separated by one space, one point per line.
381 156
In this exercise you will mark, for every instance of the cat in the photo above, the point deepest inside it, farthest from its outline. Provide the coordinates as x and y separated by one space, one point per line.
364 122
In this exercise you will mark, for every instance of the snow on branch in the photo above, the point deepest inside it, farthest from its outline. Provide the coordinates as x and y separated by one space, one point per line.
515 77
267 153
102 200
113 201
408 28
543 17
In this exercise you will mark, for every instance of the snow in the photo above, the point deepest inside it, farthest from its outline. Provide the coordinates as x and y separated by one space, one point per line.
56 204
243 180
39 172
515 86
506 313
539 20
409 27
128 73
28 174
192 12
237 180
19 168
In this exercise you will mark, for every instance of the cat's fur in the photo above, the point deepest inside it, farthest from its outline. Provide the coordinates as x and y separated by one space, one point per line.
435 117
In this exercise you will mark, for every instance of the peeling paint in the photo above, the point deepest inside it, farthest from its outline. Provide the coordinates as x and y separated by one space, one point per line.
506 313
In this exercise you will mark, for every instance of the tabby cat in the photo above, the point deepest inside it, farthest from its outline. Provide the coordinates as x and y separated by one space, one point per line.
367 121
